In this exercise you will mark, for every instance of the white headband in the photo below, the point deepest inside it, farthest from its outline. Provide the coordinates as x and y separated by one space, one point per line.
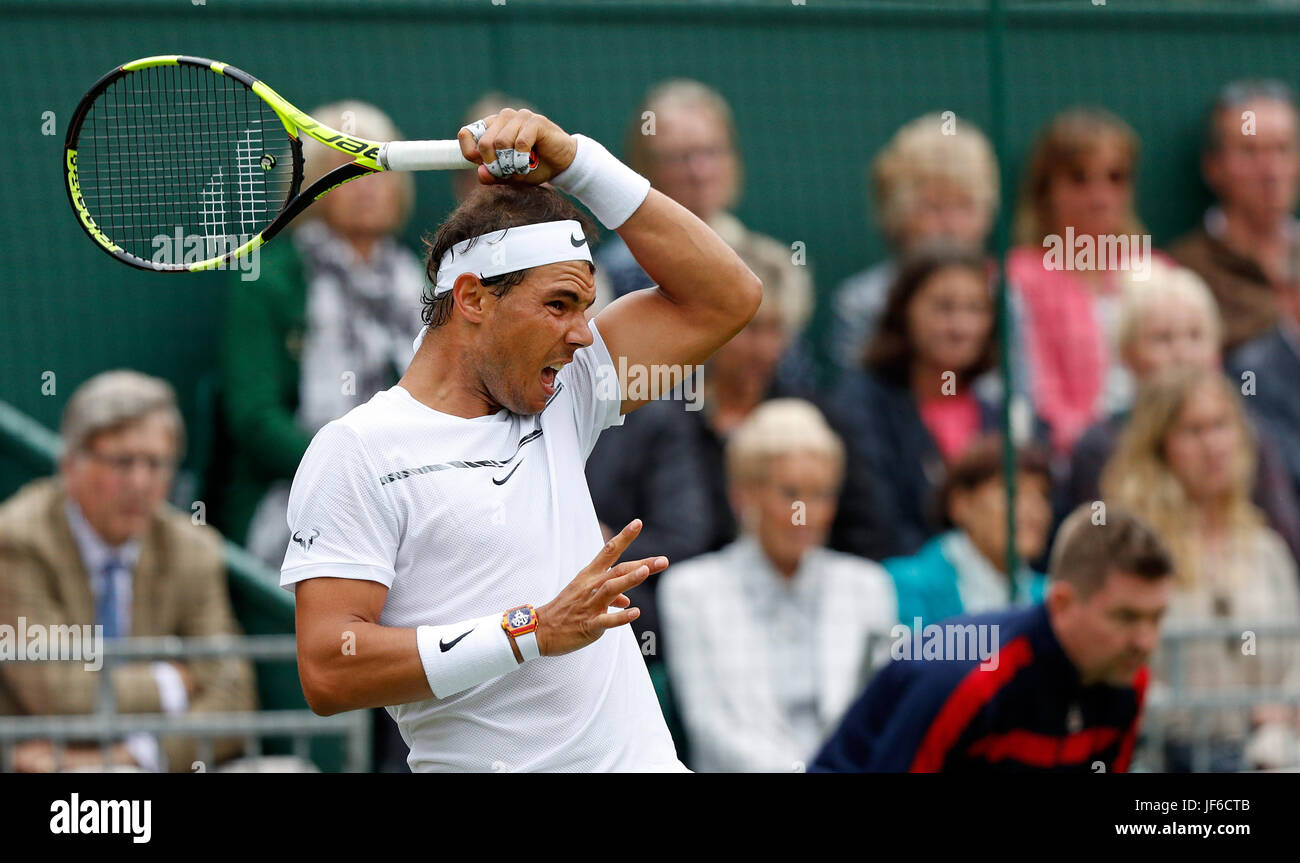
512 249
508 250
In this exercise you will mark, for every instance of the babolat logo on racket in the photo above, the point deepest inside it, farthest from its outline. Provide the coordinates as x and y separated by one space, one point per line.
339 140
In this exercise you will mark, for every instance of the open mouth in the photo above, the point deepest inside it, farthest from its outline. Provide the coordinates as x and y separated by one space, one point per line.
548 378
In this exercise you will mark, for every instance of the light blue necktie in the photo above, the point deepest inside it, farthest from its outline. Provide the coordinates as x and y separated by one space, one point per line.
106 612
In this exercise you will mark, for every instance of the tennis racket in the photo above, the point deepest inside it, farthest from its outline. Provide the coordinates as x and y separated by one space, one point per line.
175 153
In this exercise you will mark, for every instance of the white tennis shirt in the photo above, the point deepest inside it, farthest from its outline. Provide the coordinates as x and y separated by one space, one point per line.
462 518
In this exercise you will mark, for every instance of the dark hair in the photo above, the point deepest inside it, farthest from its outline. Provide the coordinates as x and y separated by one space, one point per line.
1235 94
891 352
980 462
488 209
1089 548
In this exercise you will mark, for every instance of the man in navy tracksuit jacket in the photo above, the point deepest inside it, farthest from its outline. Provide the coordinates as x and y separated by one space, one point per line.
1063 690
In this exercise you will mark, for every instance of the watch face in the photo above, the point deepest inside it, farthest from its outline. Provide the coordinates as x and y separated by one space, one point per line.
520 617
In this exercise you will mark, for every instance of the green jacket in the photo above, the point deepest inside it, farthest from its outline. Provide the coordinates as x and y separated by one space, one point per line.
260 351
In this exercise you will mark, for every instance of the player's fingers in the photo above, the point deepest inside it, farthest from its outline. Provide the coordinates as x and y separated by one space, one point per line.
620 601
613 550
658 563
510 160
597 580
611 619
615 586
500 134
655 564
468 146
547 131
528 132
600 579
485 131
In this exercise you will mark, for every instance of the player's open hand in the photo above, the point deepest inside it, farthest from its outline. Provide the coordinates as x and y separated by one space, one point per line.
580 614
512 132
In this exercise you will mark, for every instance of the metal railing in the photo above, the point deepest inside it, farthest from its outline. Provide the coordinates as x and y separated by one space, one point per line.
106 726
1176 700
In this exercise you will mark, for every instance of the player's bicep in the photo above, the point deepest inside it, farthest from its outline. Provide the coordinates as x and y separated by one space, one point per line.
326 603
332 616
660 338
327 612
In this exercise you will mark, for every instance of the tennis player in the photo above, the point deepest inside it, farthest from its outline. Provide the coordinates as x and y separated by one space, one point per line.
445 555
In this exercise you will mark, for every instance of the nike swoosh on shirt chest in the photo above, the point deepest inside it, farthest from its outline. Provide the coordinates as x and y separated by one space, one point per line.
396 475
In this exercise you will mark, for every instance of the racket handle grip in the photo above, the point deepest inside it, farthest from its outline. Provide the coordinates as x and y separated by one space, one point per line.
423 156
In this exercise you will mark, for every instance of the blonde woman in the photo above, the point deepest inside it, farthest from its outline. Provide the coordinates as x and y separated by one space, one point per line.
1171 320
1186 464
770 638
936 180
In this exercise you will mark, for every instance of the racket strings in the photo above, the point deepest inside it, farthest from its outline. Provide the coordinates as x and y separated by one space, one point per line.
178 164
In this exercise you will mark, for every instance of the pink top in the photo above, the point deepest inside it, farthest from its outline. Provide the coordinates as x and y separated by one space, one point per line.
953 422
1068 355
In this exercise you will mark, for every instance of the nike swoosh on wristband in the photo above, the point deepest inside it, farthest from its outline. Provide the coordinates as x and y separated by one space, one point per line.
507 476
449 645
577 244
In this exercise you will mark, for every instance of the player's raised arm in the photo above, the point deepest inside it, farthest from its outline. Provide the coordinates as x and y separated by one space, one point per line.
705 293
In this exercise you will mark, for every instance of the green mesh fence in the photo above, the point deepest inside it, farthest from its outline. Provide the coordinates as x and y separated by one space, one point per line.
817 87
805 81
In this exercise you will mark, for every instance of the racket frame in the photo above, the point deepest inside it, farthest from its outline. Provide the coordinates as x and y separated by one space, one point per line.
296 123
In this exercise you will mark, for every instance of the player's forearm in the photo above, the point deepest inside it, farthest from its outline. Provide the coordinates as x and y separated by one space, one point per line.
355 665
688 261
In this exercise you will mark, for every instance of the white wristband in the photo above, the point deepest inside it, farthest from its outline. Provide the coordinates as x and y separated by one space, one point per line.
604 185
461 655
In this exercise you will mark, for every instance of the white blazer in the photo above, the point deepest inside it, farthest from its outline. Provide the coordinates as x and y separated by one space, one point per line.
717 650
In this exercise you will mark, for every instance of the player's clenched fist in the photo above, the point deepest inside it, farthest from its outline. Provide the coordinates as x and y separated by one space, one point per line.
505 140
580 614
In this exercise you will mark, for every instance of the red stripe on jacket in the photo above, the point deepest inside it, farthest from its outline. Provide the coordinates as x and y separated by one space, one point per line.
1140 681
976 689
1045 750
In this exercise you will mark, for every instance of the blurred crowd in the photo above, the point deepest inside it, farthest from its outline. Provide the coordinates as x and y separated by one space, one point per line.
806 509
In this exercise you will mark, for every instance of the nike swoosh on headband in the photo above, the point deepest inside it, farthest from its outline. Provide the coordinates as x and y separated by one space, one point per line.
509 249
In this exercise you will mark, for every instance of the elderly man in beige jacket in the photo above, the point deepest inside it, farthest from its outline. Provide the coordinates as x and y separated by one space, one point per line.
99 545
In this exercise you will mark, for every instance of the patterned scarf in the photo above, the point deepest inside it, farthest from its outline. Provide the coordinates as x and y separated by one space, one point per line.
361 318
